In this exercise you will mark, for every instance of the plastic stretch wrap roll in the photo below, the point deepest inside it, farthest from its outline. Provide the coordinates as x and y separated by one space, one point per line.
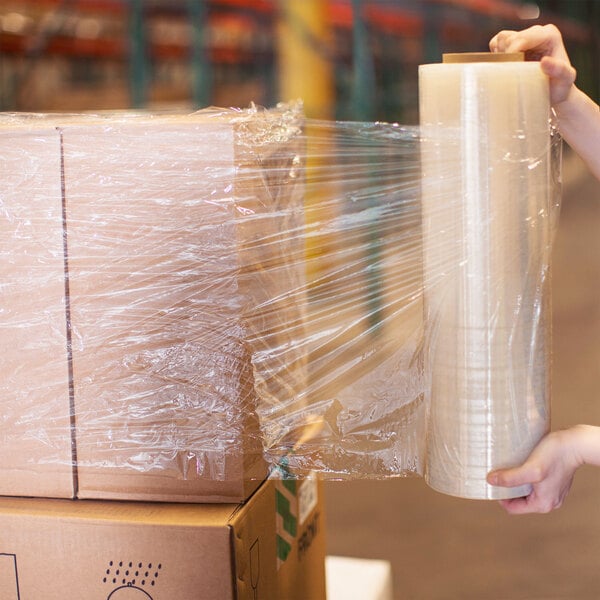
487 225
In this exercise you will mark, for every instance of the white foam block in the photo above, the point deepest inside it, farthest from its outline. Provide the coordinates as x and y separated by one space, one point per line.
358 579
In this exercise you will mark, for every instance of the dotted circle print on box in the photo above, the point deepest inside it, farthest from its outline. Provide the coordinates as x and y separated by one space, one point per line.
131 580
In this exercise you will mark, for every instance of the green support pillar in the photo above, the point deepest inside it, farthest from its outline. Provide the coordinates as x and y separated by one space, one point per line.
200 54
363 87
138 61
432 47
595 23
364 109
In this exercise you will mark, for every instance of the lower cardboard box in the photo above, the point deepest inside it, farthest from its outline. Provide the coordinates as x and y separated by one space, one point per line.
272 547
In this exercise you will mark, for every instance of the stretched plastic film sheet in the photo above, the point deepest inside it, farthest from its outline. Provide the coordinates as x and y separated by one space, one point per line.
188 300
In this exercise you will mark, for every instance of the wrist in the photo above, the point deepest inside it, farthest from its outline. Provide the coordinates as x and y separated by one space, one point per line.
569 107
584 441
578 120
576 109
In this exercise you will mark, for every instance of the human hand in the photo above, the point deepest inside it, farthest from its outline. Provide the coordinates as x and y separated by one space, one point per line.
543 43
549 469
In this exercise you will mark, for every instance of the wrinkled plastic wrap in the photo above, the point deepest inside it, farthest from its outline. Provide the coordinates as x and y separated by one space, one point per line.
191 299
361 409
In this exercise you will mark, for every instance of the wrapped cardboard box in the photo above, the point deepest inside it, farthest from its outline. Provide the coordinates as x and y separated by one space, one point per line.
169 232
35 419
57 549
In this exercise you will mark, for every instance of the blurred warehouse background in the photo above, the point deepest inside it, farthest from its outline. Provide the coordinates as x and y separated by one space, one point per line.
348 59
357 60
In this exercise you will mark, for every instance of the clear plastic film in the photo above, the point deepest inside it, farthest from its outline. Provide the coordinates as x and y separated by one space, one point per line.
190 299
359 411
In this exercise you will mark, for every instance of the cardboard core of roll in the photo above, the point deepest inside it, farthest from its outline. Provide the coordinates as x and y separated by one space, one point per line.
470 57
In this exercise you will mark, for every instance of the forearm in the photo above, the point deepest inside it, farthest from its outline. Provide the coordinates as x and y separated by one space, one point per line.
586 444
579 124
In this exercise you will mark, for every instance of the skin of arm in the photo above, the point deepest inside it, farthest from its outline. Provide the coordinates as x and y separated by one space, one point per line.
550 469
578 115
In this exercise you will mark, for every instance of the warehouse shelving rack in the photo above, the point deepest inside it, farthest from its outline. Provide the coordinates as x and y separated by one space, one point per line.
215 49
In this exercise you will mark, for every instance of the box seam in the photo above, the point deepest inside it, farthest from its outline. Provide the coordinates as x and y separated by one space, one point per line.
69 342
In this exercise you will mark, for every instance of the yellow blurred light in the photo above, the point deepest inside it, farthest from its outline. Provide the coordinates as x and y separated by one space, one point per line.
88 29
15 22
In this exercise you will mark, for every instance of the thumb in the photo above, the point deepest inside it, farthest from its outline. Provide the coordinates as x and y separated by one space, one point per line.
562 76
526 473
558 69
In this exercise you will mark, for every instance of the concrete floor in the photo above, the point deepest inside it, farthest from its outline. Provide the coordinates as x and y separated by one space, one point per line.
446 548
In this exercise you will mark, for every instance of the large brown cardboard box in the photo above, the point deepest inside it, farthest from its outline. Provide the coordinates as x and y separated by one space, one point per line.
59 549
143 248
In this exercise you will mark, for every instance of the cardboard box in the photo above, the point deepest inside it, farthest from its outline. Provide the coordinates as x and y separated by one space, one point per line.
35 419
168 232
57 549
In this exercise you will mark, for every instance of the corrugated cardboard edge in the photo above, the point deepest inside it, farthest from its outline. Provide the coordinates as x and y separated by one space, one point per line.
254 531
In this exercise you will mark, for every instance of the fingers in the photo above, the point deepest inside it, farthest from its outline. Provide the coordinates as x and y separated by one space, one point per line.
558 69
562 77
501 41
543 43
530 504
526 473
536 42
515 506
